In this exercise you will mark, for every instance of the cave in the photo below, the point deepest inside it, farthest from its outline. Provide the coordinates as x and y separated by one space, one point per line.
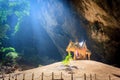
40 33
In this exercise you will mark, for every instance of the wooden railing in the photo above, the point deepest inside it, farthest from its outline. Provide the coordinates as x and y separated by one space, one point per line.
53 76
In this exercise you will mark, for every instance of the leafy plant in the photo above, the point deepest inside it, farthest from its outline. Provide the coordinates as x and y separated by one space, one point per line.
67 59
9 56
10 8
3 30
12 55
20 8
8 49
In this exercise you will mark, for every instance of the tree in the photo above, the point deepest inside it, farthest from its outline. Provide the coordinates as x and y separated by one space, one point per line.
20 9
9 56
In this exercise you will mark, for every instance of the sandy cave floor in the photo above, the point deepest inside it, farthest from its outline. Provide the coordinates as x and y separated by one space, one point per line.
77 68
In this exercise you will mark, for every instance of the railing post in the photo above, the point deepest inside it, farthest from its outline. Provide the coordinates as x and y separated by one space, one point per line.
24 76
52 76
90 77
3 76
42 76
95 77
61 76
84 76
71 76
32 76
9 77
3 79
109 77
16 77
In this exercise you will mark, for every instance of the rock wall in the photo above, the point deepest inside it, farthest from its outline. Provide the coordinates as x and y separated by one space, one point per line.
96 21
103 28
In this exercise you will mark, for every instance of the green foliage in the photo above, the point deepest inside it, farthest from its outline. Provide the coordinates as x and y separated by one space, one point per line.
3 29
7 50
18 8
7 8
3 10
21 9
12 55
9 56
16 27
67 59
